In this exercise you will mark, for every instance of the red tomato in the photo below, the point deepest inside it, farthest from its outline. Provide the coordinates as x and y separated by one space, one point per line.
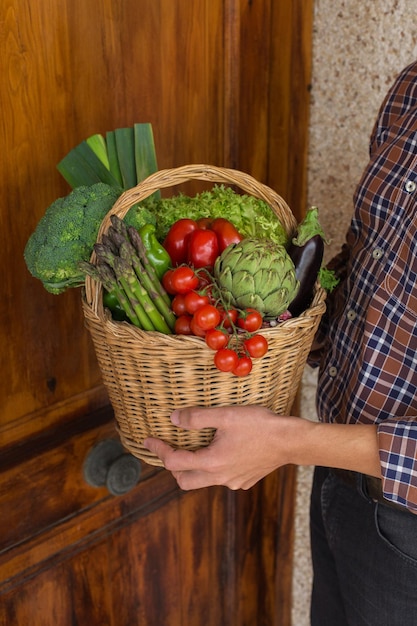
216 339
257 346
225 359
167 282
193 300
243 367
250 320
196 329
178 304
226 232
205 277
207 316
182 325
229 317
175 241
202 248
184 279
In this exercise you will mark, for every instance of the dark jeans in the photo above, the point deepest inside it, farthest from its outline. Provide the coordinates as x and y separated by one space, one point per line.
364 558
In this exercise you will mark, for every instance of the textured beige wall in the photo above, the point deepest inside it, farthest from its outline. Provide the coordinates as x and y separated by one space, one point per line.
358 48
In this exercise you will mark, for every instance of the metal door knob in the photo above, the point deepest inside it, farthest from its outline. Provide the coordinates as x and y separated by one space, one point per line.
108 464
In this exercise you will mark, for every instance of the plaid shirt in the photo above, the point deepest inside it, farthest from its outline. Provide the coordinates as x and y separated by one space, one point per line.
368 373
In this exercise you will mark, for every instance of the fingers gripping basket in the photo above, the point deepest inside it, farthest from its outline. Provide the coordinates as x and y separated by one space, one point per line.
148 374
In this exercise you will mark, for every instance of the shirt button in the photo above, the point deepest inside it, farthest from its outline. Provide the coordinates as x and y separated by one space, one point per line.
332 371
351 315
378 253
410 186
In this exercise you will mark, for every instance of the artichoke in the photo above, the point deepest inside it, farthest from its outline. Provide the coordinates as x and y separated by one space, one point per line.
256 273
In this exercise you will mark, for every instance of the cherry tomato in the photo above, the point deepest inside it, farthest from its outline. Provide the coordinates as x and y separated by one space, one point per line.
167 282
178 304
182 325
225 359
196 329
257 346
205 278
250 320
193 300
216 339
243 367
207 316
175 241
229 317
184 279
226 232
202 248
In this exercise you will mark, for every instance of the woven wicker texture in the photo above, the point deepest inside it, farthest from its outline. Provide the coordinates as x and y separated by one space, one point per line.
148 374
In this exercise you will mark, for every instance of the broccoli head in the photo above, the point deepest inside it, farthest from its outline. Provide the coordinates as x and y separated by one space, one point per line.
65 235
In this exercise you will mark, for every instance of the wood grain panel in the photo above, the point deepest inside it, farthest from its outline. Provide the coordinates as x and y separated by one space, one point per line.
71 68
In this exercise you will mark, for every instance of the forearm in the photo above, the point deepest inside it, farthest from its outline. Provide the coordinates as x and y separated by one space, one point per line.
347 446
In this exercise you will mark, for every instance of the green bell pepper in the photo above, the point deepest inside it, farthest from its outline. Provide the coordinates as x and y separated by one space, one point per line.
110 301
157 255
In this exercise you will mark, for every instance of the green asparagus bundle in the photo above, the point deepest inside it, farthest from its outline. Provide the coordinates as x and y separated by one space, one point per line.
124 270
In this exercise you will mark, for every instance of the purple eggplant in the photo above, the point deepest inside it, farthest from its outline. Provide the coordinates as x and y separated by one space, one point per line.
306 251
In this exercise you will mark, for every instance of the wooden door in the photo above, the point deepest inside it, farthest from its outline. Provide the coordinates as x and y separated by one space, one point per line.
222 82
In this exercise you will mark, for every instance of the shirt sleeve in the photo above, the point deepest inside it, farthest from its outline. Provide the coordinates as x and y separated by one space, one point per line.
397 441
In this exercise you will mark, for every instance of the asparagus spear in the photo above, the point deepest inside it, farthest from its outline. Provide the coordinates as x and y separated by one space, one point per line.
104 274
128 253
149 316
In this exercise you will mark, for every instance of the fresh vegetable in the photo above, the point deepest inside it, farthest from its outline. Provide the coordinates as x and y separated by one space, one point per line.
178 304
225 231
111 302
226 359
252 218
175 242
216 338
256 346
202 248
128 269
306 251
250 320
183 325
196 329
256 274
183 279
328 279
194 300
156 253
228 331
199 242
243 366
66 233
167 281
207 316
123 158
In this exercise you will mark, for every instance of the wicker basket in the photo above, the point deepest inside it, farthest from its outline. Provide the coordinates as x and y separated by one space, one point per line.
148 374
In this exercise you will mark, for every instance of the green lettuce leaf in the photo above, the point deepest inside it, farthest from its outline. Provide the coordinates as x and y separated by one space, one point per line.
251 217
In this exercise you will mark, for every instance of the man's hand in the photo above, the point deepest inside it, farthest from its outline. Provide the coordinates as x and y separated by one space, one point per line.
252 441
249 443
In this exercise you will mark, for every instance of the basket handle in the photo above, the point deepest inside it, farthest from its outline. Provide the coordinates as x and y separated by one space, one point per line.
171 177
